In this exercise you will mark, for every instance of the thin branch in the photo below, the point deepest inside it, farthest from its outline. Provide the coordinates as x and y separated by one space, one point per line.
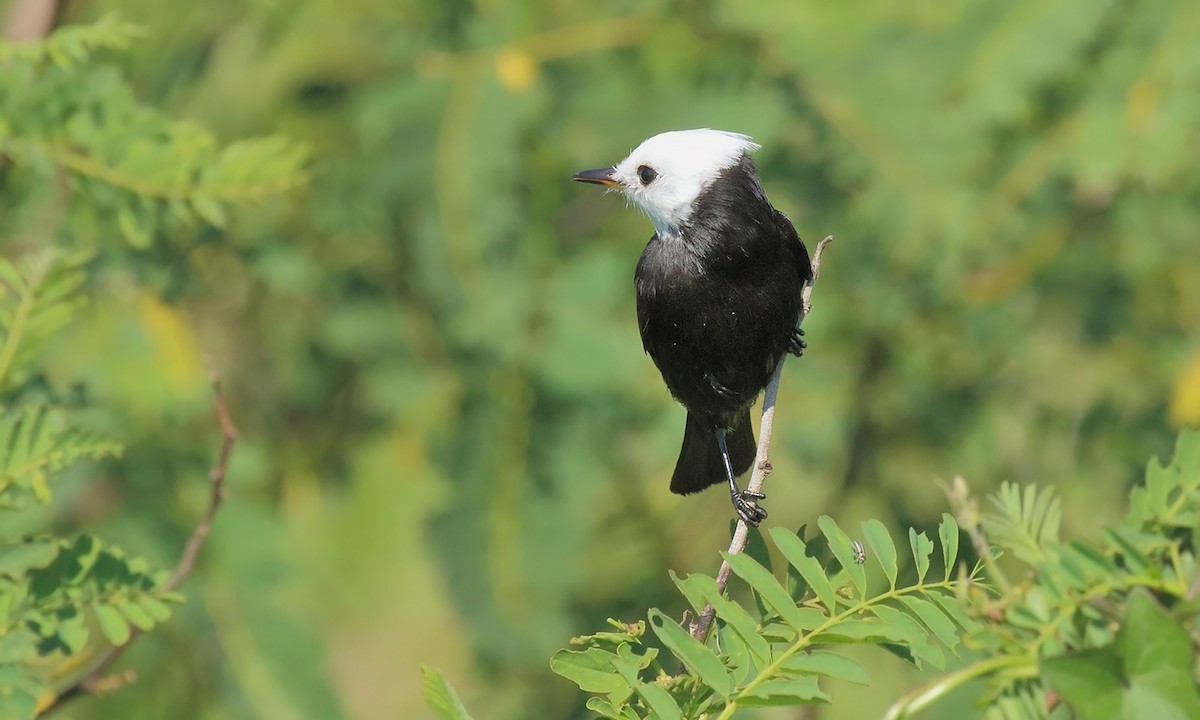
762 460
966 513
97 680
216 478
29 20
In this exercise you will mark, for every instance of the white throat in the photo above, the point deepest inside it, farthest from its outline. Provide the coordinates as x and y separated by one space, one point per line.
685 163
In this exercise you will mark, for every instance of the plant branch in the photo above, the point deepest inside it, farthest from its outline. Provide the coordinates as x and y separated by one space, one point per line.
806 641
762 461
97 680
29 20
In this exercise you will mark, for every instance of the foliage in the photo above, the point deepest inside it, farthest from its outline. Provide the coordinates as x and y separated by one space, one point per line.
777 656
53 591
64 109
1082 627
441 697
65 599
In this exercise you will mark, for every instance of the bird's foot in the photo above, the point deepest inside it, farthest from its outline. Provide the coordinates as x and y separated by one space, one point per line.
796 343
746 505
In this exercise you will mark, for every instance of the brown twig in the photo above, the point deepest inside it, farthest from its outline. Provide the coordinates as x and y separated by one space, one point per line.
97 680
216 478
762 461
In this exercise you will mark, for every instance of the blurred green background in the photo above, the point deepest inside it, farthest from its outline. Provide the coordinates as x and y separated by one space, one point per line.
453 449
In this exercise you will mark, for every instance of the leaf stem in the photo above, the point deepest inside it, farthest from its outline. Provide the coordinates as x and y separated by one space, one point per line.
921 697
767 672
38 268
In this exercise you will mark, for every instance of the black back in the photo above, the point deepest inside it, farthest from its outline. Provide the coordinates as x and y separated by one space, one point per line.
718 303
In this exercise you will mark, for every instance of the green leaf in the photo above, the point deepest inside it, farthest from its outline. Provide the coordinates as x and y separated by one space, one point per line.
156 609
660 701
1024 522
655 696
737 618
136 616
915 637
592 669
822 662
796 552
16 646
842 548
882 548
1170 496
933 618
134 228
756 546
698 658
867 630
440 697
33 553
1090 682
922 548
38 443
114 627
1124 543
18 700
1146 672
769 589
72 630
209 208
38 296
690 588
734 653
950 605
1094 563
784 691
608 709
948 534
1157 655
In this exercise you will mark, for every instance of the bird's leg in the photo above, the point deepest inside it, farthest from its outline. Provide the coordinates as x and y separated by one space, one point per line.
796 343
743 500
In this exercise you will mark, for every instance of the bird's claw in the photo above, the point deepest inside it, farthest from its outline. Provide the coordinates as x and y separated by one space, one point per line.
747 509
796 343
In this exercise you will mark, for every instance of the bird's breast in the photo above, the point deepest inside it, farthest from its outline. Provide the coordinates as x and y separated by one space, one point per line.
715 327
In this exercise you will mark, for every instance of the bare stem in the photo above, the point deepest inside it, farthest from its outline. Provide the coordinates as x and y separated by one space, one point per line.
762 461
969 518
97 680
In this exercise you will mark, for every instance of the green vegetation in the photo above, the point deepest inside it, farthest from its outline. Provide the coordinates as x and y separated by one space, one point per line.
453 452
1083 628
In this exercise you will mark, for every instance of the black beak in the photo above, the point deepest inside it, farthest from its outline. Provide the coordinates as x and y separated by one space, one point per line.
599 176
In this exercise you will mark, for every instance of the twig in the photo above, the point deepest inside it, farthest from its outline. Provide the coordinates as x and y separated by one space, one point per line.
966 513
29 20
216 478
96 680
762 460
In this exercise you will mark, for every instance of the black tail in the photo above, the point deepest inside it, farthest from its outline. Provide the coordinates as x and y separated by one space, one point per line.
699 464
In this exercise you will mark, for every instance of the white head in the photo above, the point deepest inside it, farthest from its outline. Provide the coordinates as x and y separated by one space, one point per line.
665 174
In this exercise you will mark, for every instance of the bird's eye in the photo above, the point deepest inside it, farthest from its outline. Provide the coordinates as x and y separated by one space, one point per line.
646 174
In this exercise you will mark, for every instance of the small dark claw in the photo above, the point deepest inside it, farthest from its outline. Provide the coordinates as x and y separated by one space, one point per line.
752 494
796 343
746 509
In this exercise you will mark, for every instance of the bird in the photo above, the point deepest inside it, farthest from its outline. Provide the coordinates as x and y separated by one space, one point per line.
719 293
